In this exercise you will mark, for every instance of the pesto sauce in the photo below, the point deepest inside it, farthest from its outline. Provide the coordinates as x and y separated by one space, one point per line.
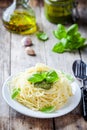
43 85
58 11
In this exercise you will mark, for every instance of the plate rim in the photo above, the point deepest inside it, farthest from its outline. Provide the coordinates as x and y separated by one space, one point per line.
37 114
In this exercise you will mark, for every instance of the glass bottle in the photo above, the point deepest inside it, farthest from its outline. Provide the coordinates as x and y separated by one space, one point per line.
60 11
20 18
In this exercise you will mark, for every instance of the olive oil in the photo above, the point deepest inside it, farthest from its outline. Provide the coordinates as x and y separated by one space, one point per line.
20 20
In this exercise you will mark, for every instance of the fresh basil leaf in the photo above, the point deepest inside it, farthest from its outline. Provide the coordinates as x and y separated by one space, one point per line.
42 36
15 92
72 29
37 77
77 34
52 76
69 38
44 73
58 47
81 40
60 32
76 43
64 41
48 109
49 76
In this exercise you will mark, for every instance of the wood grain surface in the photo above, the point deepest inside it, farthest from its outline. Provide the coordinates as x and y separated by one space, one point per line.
13 59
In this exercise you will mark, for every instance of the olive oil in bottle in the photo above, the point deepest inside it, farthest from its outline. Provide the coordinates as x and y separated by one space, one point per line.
20 18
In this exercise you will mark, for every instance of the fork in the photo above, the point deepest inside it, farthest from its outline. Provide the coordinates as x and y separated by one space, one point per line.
80 72
79 69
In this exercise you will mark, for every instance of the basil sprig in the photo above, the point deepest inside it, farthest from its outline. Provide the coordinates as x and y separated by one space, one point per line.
44 79
70 39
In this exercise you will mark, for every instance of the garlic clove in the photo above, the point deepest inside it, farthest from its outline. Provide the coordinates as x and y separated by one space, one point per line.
26 41
30 51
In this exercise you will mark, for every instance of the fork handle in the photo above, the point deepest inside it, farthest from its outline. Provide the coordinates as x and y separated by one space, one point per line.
84 103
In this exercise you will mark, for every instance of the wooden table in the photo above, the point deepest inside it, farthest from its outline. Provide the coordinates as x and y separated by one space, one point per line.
13 59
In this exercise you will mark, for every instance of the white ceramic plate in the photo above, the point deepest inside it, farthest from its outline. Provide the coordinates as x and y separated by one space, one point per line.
71 104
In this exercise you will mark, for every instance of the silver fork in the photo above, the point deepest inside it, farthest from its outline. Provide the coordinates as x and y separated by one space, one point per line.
80 72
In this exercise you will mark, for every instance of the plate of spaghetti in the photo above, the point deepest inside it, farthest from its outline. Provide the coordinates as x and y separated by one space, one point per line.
42 92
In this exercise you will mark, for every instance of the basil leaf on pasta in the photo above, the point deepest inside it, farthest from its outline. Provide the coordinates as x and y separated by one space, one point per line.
48 109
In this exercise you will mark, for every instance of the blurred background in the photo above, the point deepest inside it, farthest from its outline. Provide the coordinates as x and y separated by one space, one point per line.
82 8
4 3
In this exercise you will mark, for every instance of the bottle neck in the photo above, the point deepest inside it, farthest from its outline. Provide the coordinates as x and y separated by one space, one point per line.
21 1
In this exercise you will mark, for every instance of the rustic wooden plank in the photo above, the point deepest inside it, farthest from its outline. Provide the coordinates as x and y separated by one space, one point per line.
4 73
63 62
76 122
83 29
27 123
20 60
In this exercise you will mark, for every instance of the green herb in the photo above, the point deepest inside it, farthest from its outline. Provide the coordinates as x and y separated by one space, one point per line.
15 92
59 47
72 29
37 77
48 109
60 32
70 39
43 79
51 76
42 36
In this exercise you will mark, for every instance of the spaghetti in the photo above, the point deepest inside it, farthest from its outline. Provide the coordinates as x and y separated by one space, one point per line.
38 98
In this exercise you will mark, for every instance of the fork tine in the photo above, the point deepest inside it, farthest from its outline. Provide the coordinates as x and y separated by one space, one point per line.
84 69
80 69
74 67
76 73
